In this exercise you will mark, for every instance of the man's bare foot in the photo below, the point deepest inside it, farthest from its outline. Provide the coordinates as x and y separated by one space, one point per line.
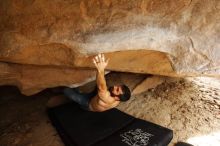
57 100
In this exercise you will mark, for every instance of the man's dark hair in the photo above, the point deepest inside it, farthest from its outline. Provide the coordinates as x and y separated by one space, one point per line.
126 93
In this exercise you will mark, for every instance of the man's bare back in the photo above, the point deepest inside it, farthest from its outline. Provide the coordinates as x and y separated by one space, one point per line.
103 101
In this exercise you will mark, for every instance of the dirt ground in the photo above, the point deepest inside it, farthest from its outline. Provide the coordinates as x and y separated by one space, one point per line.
190 107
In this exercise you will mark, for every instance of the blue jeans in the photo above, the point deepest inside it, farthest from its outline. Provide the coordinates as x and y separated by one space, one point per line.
82 99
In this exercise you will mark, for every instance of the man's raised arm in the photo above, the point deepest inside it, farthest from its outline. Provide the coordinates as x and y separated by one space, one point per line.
101 64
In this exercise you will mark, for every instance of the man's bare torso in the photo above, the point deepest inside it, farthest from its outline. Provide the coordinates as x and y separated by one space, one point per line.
103 101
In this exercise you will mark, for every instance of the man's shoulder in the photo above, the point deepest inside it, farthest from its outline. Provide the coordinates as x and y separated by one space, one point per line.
106 96
104 92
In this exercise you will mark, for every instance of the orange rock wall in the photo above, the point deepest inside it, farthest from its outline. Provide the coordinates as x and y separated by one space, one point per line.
162 37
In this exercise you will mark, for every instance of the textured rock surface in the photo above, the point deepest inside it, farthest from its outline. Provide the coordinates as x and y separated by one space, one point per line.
148 83
31 79
173 38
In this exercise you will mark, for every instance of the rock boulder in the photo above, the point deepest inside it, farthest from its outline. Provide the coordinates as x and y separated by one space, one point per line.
162 37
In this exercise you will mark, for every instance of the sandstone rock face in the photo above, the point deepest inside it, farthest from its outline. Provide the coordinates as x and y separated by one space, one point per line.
148 83
31 79
162 37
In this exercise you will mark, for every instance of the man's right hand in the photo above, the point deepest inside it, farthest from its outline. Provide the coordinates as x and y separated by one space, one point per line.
100 62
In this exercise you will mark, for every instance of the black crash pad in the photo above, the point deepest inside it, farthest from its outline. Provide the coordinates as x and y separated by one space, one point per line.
78 127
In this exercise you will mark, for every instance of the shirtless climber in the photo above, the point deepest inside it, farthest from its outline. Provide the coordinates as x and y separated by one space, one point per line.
102 98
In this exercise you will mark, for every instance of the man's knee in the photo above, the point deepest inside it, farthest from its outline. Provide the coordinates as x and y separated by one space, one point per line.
69 92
